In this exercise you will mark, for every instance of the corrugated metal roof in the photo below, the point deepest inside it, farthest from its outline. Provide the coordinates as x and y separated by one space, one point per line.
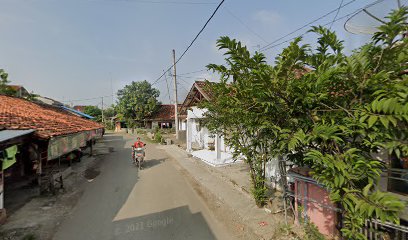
10 134
77 112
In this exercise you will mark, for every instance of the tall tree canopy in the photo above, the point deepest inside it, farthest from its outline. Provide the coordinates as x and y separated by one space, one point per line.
137 101
94 111
4 88
321 108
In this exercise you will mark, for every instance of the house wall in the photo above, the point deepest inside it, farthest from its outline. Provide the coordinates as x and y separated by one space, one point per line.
200 135
323 217
183 124
153 124
195 112
119 128
272 173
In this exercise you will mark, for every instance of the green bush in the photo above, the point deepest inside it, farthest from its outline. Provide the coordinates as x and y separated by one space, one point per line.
259 191
158 136
141 131
109 125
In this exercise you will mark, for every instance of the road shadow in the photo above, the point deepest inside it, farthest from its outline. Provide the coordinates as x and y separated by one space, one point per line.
176 223
149 163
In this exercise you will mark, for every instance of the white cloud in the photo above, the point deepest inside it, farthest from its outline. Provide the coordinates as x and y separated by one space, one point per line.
268 17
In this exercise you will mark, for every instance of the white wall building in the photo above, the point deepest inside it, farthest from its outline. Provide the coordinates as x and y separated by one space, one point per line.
199 139
200 142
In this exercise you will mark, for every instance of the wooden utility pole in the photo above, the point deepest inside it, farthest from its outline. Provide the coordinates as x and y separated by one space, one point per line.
175 93
102 112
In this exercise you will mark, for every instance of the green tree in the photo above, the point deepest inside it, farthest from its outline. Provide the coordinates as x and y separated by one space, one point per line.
320 108
4 88
109 112
136 102
94 111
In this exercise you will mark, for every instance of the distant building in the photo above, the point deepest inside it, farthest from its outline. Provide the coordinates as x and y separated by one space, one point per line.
47 100
201 143
164 117
20 91
80 108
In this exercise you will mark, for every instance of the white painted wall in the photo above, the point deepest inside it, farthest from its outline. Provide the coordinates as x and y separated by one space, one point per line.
199 135
272 172
183 124
195 112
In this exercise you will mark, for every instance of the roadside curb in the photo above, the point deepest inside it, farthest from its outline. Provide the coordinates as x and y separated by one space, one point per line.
223 194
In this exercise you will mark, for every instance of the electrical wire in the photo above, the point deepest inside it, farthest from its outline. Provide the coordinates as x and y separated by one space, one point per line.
86 99
326 24
187 73
166 2
337 13
168 91
304 26
245 25
192 42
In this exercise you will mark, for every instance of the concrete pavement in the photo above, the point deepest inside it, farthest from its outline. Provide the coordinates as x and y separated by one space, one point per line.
154 203
229 196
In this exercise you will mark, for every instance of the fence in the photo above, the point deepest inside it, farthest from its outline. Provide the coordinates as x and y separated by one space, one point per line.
376 230
396 181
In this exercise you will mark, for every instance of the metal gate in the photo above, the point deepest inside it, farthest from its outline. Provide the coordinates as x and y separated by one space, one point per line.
377 230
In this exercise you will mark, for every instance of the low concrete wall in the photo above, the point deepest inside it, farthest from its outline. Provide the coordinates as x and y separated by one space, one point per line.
182 136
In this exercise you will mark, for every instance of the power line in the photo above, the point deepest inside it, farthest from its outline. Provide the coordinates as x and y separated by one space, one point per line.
86 99
304 26
245 25
168 91
187 73
337 13
166 2
192 42
338 19
184 87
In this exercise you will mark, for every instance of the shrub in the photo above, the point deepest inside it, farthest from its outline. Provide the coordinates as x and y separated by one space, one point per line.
158 137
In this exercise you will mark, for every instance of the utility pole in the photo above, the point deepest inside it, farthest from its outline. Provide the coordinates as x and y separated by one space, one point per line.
175 94
111 87
102 112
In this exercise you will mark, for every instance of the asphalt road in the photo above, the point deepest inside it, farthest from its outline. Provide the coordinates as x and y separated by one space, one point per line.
125 203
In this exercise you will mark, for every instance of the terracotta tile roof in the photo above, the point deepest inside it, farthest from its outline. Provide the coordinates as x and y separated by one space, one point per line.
300 72
165 112
203 87
198 92
49 121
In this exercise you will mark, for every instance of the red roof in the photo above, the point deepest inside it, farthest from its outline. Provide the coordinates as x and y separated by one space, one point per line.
199 91
165 112
49 121
204 88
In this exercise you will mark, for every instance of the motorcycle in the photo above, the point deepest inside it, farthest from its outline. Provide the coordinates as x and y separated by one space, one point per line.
138 156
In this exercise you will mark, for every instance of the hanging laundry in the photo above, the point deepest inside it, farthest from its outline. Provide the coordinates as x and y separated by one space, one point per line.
9 156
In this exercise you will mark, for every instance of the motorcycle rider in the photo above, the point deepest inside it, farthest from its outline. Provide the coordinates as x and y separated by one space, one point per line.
138 144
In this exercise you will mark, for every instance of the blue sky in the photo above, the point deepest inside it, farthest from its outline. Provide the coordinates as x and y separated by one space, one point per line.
75 49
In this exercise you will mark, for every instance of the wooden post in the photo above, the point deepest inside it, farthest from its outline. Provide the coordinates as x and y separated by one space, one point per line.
103 121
